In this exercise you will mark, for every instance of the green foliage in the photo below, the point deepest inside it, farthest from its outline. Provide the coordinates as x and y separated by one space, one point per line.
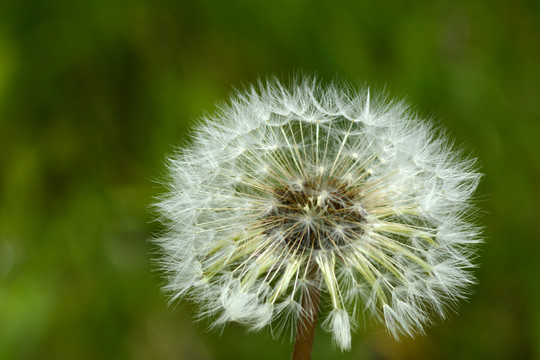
94 94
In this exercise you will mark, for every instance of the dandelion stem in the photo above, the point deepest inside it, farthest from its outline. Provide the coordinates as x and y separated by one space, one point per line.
306 328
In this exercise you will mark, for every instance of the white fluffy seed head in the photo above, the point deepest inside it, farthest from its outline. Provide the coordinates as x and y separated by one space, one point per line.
284 180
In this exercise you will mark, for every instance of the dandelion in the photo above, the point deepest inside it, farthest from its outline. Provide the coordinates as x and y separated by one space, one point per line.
306 203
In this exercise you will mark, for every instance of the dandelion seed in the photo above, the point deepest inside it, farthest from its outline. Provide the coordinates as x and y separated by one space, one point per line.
310 201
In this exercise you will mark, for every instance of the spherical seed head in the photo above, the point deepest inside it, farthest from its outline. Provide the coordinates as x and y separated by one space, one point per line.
293 189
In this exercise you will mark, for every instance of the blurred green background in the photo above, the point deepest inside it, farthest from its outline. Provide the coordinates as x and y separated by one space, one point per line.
95 94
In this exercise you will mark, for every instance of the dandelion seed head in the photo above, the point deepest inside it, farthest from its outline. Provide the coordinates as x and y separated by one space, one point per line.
288 189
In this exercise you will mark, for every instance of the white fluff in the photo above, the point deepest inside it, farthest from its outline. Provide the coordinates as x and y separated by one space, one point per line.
337 322
285 179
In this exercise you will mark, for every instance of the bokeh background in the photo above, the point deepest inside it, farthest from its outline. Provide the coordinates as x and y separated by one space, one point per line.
94 94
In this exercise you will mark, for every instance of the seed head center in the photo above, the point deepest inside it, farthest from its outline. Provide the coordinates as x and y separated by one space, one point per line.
314 214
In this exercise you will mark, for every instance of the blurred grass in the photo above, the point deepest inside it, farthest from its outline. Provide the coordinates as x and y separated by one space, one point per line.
93 96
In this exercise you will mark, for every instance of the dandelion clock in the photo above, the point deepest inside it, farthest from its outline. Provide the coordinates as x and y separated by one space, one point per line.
309 204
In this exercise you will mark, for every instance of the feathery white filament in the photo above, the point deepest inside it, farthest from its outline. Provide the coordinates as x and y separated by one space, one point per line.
283 180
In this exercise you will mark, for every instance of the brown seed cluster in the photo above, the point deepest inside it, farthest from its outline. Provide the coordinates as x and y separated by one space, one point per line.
315 214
